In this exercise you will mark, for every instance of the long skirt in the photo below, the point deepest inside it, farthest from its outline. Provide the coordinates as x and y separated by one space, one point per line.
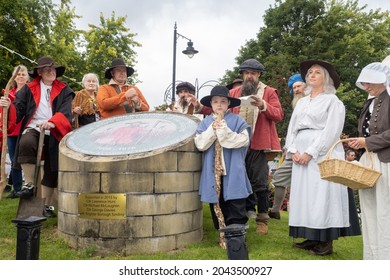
375 207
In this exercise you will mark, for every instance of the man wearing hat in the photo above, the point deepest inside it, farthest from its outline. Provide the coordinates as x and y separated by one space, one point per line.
232 134
45 103
117 97
262 114
281 179
187 102
234 84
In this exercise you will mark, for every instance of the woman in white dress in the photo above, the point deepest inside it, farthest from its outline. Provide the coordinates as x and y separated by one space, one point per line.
318 208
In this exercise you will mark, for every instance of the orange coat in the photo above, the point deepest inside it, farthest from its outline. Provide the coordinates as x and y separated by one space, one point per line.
110 99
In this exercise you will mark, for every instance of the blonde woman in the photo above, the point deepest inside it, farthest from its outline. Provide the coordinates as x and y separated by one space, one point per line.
16 177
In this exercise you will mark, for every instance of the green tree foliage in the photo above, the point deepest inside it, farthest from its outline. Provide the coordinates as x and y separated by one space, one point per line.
40 28
63 43
341 32
111 39
22 24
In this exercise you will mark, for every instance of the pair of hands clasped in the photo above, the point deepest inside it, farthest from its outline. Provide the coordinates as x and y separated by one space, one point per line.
132 95
301 159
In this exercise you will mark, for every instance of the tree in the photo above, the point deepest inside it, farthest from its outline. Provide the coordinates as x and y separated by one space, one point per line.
29 21
63 44
111 39
338 31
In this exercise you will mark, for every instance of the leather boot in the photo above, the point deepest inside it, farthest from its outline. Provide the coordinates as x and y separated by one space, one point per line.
262 223
306 245
322 249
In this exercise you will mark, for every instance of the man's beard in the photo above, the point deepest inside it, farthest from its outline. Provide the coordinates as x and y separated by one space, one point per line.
248 88
295 99
183 102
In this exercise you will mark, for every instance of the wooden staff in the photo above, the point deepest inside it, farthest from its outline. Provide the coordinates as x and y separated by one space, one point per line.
218 171
3 181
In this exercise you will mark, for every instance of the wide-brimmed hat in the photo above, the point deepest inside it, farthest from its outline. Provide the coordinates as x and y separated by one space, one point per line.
185 85
47 61
251 64
118 62
223 92
293 79
306 65
236 81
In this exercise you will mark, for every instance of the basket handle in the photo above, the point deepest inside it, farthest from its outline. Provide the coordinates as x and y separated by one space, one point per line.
329 153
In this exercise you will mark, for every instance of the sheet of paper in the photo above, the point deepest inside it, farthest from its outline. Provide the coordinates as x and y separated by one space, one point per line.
246 102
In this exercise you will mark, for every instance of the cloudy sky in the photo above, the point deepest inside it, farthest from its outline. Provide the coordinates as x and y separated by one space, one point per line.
217 28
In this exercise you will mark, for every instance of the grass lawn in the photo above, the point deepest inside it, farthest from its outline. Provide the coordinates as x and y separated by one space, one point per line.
277 245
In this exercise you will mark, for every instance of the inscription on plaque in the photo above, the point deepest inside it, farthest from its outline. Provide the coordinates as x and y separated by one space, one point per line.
101 206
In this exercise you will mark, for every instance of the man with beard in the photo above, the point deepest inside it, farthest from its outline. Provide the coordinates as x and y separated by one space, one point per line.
282 176
261 113
187 102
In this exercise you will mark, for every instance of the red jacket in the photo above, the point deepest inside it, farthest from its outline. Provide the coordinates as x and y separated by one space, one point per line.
265 136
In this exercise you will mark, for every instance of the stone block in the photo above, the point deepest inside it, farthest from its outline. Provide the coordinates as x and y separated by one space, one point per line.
172 224
188 201
150 204
174 182
127 182
189 161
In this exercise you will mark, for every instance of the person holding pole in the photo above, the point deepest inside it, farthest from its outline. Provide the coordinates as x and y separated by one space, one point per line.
44 104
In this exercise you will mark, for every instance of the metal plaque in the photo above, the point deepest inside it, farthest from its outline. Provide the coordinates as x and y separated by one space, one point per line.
102 206
132 134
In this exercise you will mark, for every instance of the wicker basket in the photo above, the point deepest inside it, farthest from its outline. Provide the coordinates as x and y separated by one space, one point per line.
353 175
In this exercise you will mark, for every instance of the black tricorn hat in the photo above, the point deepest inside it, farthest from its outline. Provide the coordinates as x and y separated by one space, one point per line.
220 91
118 62
306 65
47 61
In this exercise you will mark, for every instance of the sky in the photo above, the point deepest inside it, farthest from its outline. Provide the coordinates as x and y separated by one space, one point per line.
218 29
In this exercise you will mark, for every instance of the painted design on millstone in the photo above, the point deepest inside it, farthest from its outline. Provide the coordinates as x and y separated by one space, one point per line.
132 134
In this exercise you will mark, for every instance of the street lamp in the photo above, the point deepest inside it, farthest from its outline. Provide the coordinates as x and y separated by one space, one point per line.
189 51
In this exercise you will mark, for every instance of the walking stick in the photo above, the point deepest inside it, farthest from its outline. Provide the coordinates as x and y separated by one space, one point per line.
218 171
3 181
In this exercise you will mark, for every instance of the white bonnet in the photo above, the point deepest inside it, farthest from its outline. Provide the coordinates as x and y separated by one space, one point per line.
386 61
374 73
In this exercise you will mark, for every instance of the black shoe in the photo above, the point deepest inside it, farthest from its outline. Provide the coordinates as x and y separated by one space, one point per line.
26 191
306 245
274 215
48 211
7 188
12 195
322 249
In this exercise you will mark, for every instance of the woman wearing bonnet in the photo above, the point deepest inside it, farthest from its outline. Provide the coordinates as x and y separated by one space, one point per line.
374 135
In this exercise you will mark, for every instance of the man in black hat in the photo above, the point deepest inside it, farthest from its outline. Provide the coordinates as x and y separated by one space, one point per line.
118 97
45 103
234 84
187 103
262 111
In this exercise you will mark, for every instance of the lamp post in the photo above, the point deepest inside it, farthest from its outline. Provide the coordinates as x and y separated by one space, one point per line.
189 51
